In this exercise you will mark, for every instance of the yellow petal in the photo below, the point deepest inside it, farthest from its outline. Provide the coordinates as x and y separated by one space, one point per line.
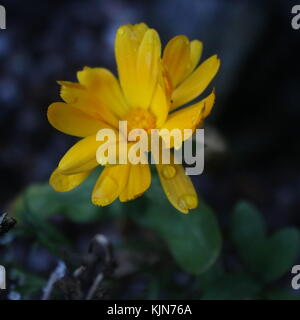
165 81
70 120
103 84
148 64
71 91
87 101
188 118
126 48
196 52
160 106
64 183
208 104
81 157
176 58
140 29
196 83
139 180
177 186
110 184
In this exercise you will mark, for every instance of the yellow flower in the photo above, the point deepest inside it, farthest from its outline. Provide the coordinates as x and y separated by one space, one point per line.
149 90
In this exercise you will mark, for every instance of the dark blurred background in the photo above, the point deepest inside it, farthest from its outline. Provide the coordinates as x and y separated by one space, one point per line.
256 114
252 134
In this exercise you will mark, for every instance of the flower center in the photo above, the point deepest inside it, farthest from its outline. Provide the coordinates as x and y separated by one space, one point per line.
140 119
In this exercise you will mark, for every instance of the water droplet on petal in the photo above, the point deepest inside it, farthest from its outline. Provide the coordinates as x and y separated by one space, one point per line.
168 171
121 31
188 202
182 204
192 201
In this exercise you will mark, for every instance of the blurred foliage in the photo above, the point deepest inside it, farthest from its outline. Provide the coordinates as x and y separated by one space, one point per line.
267 257
194 239
187 248
27 283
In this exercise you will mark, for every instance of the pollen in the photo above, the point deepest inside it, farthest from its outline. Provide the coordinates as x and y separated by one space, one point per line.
140 119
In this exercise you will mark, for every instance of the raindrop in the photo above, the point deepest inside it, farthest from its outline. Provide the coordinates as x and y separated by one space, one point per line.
187 202
121 31
168 171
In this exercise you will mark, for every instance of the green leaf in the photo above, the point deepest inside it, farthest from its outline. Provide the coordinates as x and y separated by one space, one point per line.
194 239
247 225
75 204
205 280
238 286
39 202
280 252
46 234
268 258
